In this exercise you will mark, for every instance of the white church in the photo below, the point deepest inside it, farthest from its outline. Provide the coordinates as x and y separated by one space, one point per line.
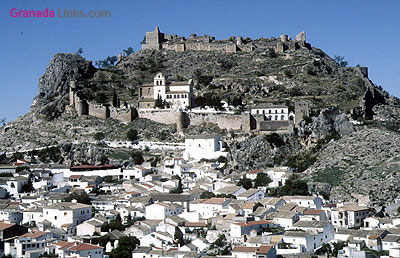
178 94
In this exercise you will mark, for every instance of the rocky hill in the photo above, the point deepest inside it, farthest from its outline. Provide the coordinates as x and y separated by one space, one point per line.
352 132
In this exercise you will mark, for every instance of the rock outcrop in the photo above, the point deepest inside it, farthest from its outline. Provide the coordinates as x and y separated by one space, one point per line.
54 83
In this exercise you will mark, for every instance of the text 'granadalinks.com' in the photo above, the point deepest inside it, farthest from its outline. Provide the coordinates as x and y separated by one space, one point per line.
60 13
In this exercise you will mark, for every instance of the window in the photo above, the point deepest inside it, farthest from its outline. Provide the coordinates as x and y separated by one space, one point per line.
55 217
282 117
282 111
257 111
276 117
269 111
276 111
65 214
148 90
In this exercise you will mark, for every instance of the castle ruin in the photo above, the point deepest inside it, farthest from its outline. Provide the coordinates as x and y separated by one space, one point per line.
156 40
104 111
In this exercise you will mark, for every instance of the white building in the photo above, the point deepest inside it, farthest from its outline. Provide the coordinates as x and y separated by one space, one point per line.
239 229
349 216
278 175
271 112
313 202
210 208
179 95
64 213
13 185
203 146
251 195
84 250
30 242
135 172
160 211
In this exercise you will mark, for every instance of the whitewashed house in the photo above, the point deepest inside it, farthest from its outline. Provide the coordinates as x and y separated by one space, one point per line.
210 208
203 146
349 216
60 214
271 112
313 202
160 211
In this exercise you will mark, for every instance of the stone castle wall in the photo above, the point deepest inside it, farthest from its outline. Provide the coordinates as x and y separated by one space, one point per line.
224 121
83 107
99 111
156 40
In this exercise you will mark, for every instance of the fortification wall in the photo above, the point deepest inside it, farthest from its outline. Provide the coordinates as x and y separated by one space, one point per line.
159 116
125 115
99 111
224 121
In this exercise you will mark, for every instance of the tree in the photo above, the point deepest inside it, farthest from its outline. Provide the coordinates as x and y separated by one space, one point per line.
340 61
99 136
262 179
125 247
294 186
2 122
132 135
179 189
245 183
159 102
101 97
79 51
206 195
178 237
82 197
109 61
128 51
104 159
115 99
137 157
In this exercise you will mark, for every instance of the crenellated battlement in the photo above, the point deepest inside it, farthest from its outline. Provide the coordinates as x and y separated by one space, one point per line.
156 40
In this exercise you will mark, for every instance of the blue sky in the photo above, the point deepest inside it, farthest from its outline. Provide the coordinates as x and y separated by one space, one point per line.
364 32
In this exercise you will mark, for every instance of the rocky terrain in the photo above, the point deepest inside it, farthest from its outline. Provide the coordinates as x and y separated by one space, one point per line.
348 144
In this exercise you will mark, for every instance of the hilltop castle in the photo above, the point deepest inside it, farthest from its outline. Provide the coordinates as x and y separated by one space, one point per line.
156 40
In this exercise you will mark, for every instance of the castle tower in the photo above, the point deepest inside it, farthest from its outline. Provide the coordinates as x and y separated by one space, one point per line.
301 110
153 39
72 93
301 36
239 41
159 86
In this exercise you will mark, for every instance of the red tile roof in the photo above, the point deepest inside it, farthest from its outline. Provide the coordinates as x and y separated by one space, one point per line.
252 223
4 225
84 246
195 224
90 167
264 249
255 171
313 212
244 249
214 201
75 176
34 234
64 244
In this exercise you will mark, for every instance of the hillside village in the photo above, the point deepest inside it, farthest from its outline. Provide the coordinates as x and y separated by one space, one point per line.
188 207
186 200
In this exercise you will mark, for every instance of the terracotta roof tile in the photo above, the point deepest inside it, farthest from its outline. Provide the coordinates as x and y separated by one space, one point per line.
84 246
